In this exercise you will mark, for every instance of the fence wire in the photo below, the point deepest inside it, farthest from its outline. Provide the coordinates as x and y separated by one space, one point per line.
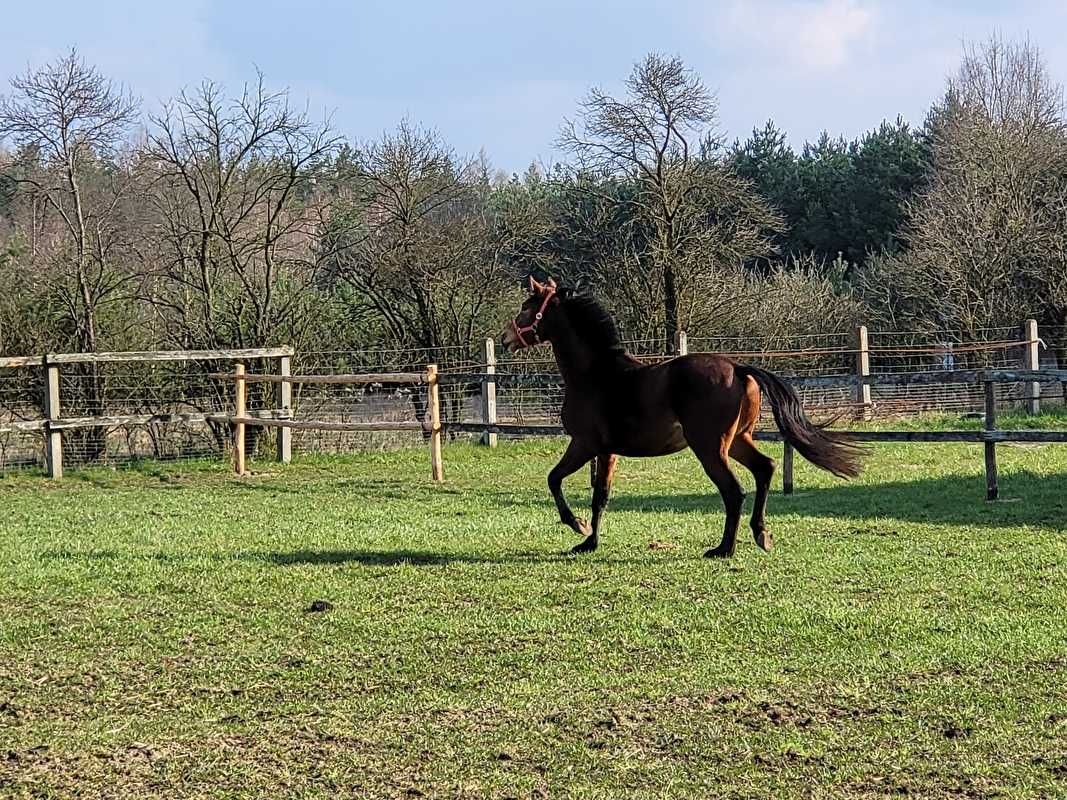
21 393
373 402
122 389
169 388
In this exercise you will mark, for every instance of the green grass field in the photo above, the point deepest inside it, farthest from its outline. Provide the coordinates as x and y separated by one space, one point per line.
905 638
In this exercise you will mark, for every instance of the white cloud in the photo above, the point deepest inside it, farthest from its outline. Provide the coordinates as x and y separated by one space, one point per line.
819 35
810 66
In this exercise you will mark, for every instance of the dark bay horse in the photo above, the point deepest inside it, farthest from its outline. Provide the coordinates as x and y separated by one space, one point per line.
614 405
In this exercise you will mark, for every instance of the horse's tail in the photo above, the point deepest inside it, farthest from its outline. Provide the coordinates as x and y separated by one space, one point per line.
831 451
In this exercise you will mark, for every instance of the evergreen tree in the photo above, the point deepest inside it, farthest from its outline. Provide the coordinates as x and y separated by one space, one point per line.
839 199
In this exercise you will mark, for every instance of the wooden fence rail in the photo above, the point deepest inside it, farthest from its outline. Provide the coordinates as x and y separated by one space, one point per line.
252 419
121 420
359 379
149 356
21 361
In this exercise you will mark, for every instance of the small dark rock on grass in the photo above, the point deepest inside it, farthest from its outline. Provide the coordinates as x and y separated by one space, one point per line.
953 731
318 606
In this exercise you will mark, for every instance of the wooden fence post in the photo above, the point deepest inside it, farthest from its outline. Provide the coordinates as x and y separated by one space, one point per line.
240 409
1032 360
285 401
991 490
682 344
53 439
437 471
489 394
863 370
787 469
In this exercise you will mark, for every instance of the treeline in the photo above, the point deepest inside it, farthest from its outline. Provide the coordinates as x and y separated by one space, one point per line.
230 221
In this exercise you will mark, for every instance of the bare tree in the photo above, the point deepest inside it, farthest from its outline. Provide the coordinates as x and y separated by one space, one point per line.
69 126
231 259
420 243
67 122
988 237
662 138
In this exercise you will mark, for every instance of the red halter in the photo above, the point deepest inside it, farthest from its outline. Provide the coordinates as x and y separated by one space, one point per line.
550 292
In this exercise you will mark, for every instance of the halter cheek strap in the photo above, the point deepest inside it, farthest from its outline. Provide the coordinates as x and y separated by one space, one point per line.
532 327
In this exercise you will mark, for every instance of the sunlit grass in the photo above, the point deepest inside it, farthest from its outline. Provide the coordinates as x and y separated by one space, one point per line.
904 637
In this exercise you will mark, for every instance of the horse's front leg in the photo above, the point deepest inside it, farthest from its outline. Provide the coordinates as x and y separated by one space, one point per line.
576 455
603 475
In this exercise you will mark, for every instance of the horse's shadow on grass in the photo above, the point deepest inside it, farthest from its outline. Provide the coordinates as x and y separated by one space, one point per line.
291 558
368 558
417 558
1025 499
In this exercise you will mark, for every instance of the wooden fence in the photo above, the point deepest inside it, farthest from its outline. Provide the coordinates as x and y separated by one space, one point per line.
988 437
488 379
431 378
53 423
489 426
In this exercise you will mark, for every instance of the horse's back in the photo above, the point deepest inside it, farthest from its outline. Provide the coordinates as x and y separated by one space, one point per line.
653 409
708 391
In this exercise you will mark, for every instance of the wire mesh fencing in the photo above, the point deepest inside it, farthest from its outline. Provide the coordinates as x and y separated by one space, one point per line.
21 393
162 390
375 402
175 409
905 352
120 412
1053 355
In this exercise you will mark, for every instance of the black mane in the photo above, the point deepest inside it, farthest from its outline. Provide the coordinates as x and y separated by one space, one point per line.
591 320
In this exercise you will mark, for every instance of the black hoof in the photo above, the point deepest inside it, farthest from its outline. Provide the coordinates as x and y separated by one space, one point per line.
764 539
719 552
588 545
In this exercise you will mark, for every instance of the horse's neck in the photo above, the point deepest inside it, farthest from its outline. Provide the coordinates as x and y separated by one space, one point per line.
571 364
579 363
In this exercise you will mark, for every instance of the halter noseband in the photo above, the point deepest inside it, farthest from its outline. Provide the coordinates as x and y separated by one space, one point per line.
532 327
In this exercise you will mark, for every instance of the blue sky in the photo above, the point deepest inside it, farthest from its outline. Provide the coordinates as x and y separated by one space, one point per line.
501 75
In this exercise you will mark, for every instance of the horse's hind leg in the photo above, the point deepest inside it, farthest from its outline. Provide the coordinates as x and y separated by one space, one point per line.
743 449
713 457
